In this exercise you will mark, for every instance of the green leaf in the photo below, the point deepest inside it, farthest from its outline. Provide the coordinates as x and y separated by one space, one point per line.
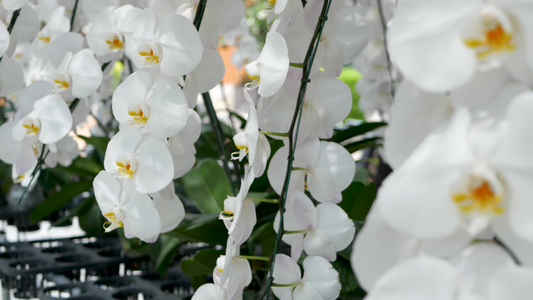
241 119
369 142
100 143
58 200
341 135
201 229
74 211
168 252
82 166
207 186
91 220
203 262
357 200
346 276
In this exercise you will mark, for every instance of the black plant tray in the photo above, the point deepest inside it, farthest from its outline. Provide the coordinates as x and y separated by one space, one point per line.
24 265
148 286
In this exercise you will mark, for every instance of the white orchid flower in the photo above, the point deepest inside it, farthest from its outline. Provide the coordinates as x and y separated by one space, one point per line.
458 38
154 103
239 213
108 31
78 75
47 122
11 76
232 272
471 175
323 168
481 271
170 45
66 150
145 158
181 145
321 231
344 35
13 4
56 24
320 280
123 206
169 207
251 142
327 102
219 18
270 69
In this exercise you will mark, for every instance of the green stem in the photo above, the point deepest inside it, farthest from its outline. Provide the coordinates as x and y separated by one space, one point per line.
294 231
199 14
12 23
299 169
293 131
38 167
387 56
276 201
297 65
274 133
263 258
219 136
73 17
282 285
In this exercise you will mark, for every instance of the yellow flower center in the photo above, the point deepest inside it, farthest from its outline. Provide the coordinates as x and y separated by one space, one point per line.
61 85
114 224
114 44
125 169
149 57
479 198
44 39
140 115
493 35
31 129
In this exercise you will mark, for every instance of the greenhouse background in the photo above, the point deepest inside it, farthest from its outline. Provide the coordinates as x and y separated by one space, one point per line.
266 149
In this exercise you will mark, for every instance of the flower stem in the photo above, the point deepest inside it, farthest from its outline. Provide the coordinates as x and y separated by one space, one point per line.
14 18
297 65
294 129
73 17
220 138
276 201
274 133
387 56
282 285
263 258
294 231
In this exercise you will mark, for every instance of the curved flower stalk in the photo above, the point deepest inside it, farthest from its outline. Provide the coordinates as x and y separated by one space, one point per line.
320 231
460 38
320 280
123 206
